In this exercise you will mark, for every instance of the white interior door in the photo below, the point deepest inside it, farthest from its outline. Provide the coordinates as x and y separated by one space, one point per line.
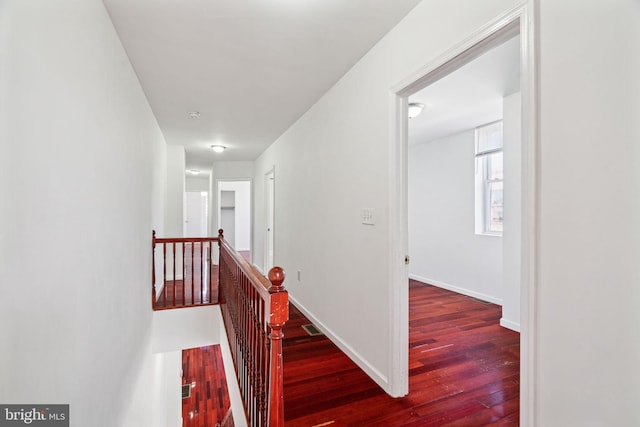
195 224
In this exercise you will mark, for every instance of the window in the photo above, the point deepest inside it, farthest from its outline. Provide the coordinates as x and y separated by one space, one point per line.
488 179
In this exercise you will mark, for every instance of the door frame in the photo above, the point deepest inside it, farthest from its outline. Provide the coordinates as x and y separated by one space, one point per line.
216 207
520 19
269 212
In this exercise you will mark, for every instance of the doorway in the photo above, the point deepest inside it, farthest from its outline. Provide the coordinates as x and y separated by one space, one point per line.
502 29
234 214
464 181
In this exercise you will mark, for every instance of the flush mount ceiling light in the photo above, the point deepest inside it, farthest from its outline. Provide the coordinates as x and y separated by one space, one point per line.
218 148
193 114
415 108
193 171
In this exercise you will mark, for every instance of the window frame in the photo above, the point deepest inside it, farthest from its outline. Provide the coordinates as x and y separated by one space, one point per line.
485 182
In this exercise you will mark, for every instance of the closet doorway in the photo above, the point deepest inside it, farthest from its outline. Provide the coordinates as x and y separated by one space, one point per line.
234 214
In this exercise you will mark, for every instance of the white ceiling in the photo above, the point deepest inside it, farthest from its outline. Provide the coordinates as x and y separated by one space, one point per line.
250 67
470 96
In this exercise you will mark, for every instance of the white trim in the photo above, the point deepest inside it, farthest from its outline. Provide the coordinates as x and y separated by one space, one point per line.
521 19
510 324
529 360
457 289
265 261
356 357
398 367
492 35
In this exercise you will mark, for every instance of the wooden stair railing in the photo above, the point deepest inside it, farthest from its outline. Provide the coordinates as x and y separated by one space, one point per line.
188 276
254 310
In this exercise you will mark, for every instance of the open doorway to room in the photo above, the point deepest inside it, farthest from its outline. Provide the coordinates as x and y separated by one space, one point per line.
495 34
464 181
234 214
463 150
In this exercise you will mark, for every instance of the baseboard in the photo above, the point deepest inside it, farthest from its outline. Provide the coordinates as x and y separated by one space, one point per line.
371 371
457 289
510 325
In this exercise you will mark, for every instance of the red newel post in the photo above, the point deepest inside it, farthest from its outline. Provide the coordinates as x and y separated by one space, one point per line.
278 315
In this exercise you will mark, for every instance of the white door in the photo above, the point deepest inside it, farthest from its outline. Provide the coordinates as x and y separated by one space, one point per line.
195 224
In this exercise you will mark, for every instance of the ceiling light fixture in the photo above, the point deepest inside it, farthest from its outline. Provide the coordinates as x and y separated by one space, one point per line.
193 171
415 108
218 148
193 114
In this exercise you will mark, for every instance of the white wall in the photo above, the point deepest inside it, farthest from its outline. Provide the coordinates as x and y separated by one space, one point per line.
175 206
197 183
81 167
589 272
181 329
157 397
332 163
444 249
174 211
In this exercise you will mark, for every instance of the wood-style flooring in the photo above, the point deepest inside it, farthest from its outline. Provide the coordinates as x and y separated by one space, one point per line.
463 370
203 372
199 290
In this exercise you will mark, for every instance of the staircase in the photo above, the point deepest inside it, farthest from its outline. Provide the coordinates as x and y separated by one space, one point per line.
254 309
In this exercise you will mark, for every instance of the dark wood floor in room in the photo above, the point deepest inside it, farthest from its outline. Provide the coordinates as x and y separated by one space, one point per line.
209 402
199 287
197 291
463 367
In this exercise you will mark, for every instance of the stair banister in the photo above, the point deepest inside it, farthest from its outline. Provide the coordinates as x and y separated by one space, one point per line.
254 310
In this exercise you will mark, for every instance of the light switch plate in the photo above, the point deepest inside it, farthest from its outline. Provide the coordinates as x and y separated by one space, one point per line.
368 216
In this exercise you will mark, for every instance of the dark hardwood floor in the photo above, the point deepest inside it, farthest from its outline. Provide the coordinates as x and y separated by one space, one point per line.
198 287
463 371
199 290
463 368
203 371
